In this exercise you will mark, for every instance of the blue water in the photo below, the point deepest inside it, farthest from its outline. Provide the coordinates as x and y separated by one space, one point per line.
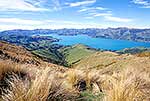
98 43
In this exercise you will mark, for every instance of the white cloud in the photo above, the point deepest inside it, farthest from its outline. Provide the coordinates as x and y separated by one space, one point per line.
10 27
15 23
88 17
48 26
143 3
117 19
95 14
92 8
57 5
86 2
20 21
102 14
29 22
77 26
18 5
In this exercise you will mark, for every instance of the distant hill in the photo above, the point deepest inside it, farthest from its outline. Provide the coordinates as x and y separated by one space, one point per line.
134 50
122 33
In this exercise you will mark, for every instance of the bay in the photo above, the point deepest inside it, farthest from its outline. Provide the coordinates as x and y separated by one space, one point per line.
98 43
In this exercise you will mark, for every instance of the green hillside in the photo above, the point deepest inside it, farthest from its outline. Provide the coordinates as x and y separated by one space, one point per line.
109 62
75 53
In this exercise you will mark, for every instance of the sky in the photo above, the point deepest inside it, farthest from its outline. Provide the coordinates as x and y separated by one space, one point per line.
57 14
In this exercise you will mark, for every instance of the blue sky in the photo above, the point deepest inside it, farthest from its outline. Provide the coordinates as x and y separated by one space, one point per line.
55 14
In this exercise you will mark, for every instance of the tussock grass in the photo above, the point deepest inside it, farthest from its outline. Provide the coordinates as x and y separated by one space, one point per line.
36 90
127 86
144 54
90 85
45 85
8 66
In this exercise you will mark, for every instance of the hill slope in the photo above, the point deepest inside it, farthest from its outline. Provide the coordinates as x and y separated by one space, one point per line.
115 77
20 55
73 54
110 61
39 45
17 54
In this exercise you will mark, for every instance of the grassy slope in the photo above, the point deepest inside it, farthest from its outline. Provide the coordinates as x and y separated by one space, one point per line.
109 62
49 56
144 54
52 82
75 53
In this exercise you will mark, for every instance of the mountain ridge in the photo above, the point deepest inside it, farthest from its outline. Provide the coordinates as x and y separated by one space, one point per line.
121 33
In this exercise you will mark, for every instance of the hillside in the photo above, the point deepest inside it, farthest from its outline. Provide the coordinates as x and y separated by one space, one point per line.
39 45
73 54
143 54
100 76
110 61
17 54
76 54
134 50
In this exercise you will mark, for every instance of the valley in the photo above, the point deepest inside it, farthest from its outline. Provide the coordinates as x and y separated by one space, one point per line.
67 50
36 68
74 50
94 75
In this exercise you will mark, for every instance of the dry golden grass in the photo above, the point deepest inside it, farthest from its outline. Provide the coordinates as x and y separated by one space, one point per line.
144 54
8 67
37 90
129 79
18 54
38 85
128 85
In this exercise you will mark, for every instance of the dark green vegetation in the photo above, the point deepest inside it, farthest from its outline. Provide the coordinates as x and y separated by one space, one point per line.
133 50
39 45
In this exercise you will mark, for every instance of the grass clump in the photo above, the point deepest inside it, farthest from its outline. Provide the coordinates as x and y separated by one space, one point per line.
36 90
89 96
127 86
